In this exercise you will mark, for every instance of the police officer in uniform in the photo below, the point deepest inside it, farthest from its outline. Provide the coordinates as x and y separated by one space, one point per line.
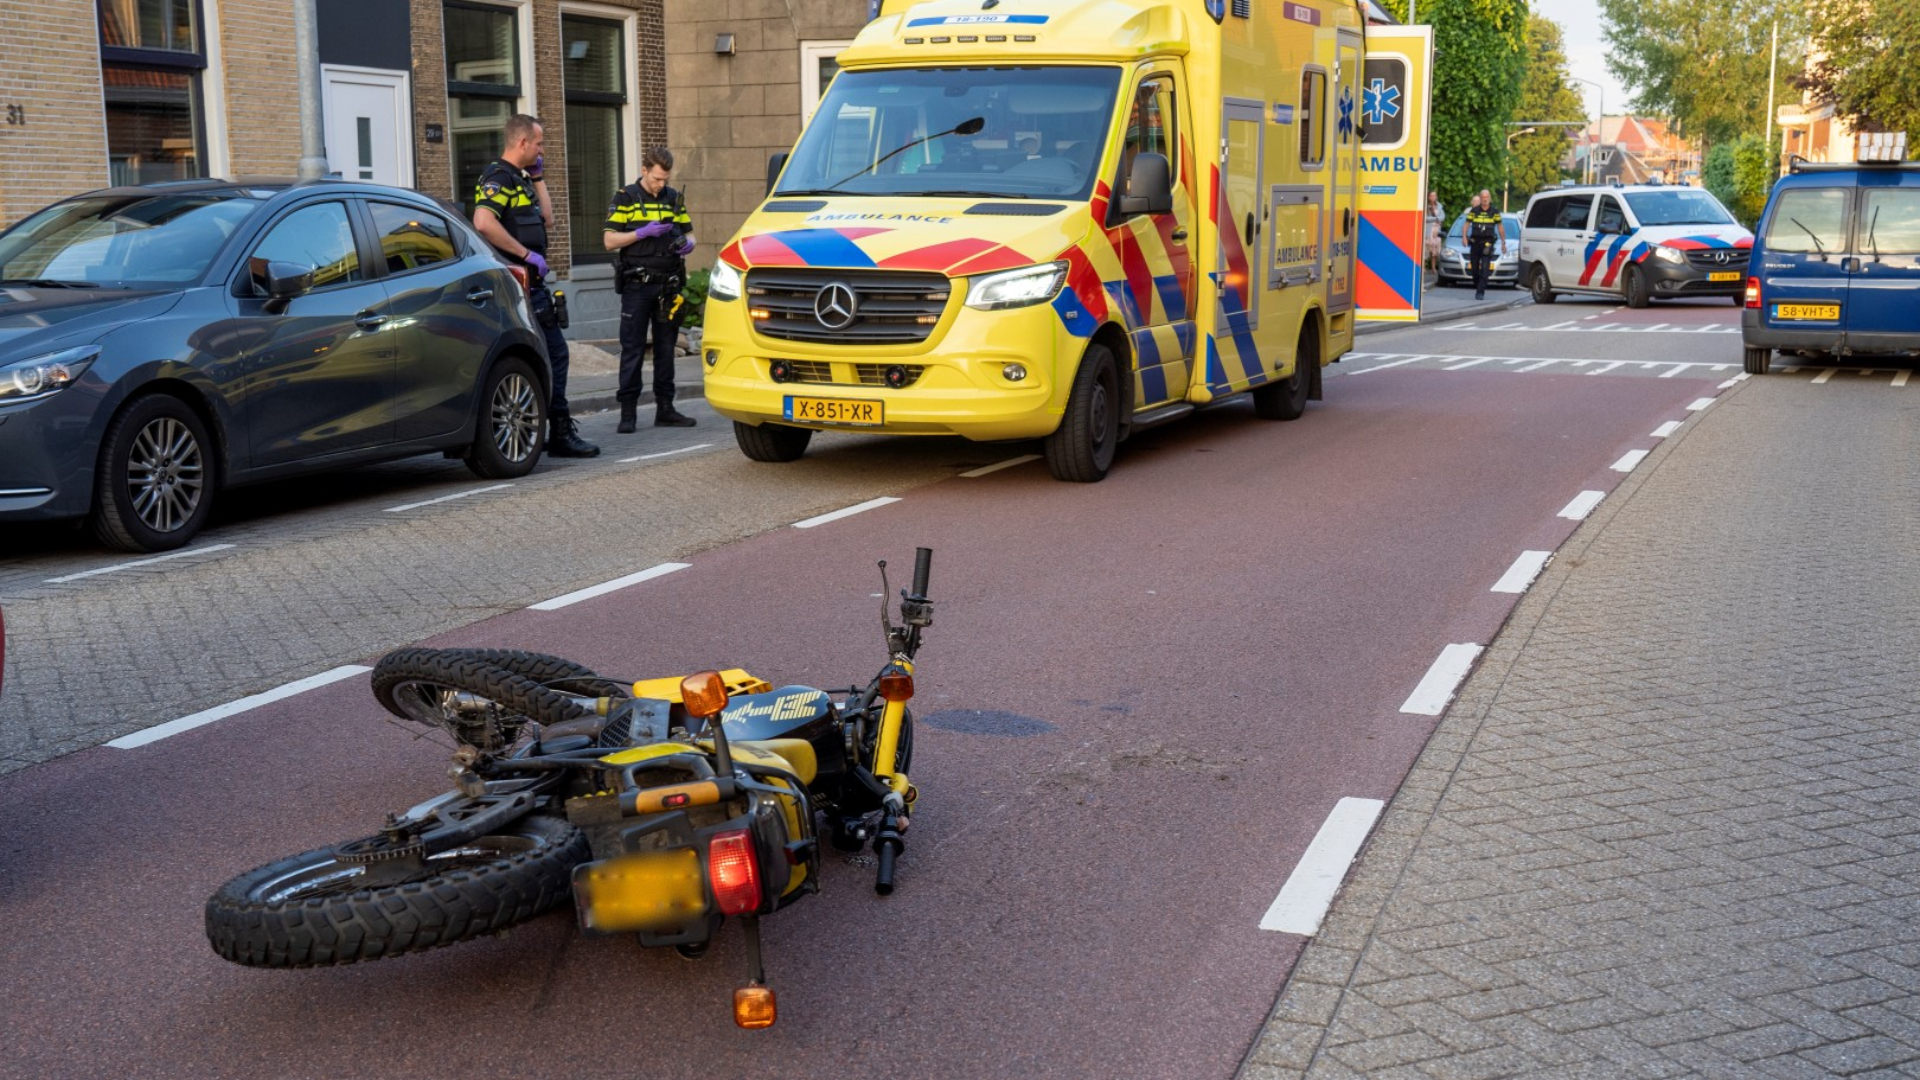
1485 227
647 224
512 211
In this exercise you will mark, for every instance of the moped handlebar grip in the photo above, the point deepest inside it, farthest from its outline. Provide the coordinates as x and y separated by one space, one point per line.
886 848
922 567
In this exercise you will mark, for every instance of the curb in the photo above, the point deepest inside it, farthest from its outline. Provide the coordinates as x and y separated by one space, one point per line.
608 399
1468 312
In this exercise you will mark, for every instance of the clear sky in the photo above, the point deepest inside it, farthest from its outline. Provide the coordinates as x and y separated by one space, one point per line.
1586 50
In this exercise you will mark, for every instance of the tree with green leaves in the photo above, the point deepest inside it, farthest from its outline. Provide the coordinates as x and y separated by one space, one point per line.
1545 95
1863 64
1703 63
1476 85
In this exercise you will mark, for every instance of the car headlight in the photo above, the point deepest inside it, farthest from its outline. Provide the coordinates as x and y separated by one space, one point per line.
724 283
44 375
1451 253
1672 255
1016 288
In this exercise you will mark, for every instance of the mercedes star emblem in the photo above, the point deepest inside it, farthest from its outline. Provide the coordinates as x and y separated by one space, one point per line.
835 306
1722 257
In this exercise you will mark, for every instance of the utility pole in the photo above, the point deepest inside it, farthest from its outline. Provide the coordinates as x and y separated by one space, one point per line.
306 60
1773 64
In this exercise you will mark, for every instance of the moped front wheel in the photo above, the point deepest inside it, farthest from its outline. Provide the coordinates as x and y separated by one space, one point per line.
317 908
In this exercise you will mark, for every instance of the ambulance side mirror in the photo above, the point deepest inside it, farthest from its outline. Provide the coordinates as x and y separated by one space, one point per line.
775 164
1149 186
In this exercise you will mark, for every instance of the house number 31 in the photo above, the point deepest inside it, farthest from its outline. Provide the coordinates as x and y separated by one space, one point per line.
16 116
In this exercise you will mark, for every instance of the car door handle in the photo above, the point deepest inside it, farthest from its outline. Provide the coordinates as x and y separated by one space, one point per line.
367 320
479 296
1179 235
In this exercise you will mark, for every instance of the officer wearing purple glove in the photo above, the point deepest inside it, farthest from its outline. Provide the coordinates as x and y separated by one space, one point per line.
512 211
647 224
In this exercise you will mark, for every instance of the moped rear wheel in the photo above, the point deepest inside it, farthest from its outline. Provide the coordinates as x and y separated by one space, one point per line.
315 910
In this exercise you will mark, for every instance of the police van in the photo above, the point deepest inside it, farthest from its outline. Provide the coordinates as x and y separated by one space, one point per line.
1037 219
1638 242
1836 270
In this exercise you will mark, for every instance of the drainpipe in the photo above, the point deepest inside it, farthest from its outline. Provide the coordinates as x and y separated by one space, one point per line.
306 59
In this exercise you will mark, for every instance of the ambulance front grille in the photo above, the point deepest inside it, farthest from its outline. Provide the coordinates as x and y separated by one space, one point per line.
890 308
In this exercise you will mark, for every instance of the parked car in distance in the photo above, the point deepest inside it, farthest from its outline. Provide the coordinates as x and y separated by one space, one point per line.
1453 255
1638 242
1836 270
164 343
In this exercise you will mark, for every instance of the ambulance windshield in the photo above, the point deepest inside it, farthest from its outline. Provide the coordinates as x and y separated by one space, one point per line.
1043 134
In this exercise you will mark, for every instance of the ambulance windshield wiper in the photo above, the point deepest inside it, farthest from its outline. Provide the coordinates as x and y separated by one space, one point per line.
784 193
965 127
972 195
1818 246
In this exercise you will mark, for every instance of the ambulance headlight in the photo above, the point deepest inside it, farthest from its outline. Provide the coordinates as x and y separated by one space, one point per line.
1016 288
1672 255
725 282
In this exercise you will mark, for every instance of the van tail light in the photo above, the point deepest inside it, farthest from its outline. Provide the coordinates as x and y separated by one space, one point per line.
734 872
1753 292
520 275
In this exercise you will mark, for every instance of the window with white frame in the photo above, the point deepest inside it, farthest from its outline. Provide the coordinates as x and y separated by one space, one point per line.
483 87
819 62
594 65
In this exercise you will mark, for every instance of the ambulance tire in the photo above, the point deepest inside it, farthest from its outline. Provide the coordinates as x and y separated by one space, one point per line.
1287 399
1636 288
1080 451
1540 286
771 442
1758 361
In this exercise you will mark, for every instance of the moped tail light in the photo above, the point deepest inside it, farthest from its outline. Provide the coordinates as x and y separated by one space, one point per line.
753 1007
735 874
896 687
704 694
1753 292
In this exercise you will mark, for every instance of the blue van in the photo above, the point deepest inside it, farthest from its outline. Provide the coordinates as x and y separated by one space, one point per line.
1836 264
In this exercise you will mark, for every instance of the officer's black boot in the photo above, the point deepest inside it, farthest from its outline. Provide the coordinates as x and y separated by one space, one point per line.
563 438
628 418
668 416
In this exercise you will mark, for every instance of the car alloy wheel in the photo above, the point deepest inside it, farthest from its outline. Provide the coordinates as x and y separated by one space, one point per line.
516 417
166 474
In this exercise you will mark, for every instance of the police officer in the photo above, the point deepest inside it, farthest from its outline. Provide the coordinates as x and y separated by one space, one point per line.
647 224
512 211
1485 227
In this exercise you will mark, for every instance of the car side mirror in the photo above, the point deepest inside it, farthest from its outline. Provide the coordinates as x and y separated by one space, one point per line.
1149 186
283 281
775 165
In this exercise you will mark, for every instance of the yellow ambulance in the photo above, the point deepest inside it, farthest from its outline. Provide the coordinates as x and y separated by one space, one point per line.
1054 219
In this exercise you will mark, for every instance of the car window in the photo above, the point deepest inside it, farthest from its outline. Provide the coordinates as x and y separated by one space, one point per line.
1680 206
411 238
1890 220
1613 220
1808 220
315 237
1544 213
139 241
1575 212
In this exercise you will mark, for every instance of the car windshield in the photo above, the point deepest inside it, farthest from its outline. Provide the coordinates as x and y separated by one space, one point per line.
1512 222
1681 206
1035 131
141 241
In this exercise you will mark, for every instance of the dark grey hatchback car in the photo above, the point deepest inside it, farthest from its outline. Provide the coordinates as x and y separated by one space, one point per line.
159 344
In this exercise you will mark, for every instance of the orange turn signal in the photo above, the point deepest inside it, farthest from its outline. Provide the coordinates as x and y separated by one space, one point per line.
704 694
896 687
753 1007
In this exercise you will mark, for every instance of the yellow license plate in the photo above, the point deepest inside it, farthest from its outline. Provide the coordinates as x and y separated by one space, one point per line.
1819 312
653 890
1724 275
832 411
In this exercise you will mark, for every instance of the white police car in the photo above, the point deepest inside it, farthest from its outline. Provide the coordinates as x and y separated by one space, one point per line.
1639 242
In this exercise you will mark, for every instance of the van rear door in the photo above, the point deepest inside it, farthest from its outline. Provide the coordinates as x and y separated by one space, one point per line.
1804 269
1886 266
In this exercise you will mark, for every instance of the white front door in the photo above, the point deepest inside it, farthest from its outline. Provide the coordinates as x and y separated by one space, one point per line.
368 133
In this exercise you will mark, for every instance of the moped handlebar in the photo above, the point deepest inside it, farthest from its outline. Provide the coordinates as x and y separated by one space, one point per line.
922 568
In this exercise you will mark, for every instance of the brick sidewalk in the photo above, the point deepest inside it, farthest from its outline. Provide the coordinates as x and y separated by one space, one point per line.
1669 827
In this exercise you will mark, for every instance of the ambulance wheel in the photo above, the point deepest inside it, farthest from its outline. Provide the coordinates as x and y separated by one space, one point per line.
1539 286
1287 399
1081 450
771 442
1759 360
1636 288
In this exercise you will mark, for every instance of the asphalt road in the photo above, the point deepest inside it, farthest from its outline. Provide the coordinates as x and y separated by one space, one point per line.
1139 702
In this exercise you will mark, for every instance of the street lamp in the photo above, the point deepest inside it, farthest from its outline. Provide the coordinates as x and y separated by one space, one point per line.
1506 196
1599 127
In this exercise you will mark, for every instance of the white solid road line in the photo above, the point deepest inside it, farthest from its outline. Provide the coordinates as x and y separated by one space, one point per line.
1701 403
1521 574
137 562
862 508
231 708
1823 376
1383 367
1901 378
1629 460
1007 464
1442 679
1309 891
663 453
1666 429
445 498
1582 505
606 587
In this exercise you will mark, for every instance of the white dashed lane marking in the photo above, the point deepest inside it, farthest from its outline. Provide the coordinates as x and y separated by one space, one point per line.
606 587
1521 574
445 498
1309 891
116 567
870 504
232 708
1436 689
1582 505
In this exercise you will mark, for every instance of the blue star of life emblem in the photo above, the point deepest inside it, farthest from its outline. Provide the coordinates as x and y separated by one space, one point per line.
1381 101
1346 113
